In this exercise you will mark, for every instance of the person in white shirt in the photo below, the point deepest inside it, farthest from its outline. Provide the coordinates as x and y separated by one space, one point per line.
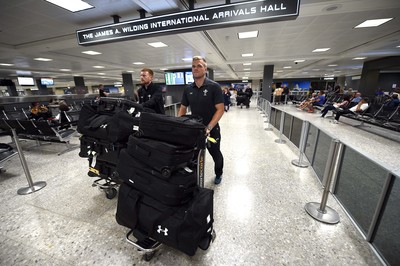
357 109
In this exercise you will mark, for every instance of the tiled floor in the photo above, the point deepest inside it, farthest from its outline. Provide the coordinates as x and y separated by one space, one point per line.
259 210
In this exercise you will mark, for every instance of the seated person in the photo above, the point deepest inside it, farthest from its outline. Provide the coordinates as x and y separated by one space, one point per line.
337 106
393 101
317 101
358 109
39 111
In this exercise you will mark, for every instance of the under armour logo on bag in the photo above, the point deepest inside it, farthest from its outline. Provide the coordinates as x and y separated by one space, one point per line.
165 231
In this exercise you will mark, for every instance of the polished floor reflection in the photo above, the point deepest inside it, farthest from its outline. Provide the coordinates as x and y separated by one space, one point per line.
259 210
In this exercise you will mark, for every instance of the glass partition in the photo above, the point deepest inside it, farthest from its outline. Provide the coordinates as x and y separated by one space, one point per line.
321 154
296 131
311 142
359 186
387 237
272 118
287 125
278 119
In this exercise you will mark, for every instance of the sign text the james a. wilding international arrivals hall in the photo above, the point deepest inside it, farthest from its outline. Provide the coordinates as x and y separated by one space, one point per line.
192 20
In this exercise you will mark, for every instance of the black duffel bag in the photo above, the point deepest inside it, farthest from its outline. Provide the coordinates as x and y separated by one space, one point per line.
184 131
175 190
112 122
184 228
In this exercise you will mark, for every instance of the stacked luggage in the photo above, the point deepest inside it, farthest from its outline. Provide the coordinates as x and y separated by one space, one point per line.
158 163
105 127
159 198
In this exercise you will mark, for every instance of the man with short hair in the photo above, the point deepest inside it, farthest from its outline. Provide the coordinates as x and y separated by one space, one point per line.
149 94
205 99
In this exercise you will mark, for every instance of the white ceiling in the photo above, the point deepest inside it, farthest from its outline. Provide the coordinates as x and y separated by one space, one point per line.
36 28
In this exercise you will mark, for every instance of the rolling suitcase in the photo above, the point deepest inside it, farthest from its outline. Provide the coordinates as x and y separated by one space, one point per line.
101 149
175 190
160 155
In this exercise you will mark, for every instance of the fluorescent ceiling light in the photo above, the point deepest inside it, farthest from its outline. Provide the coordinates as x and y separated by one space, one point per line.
187 59
247 64
101 73
138 63
247 55
91 52
299 61
42 59
333 65
157 44
248 34
71 5
359 58
246 69
287 67
130 71
245 77
373 23
163 69
398 46
279 71
319 50
65 69
5 64
98 66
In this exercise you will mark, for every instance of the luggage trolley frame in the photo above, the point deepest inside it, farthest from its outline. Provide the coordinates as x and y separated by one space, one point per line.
150 246
107 183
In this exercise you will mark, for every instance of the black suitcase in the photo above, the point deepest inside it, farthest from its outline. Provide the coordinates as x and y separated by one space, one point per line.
184 227
160 155
102 169
102 149
174 190
184 131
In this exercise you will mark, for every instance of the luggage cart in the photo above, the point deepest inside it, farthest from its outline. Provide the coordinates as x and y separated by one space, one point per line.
150 246
107 182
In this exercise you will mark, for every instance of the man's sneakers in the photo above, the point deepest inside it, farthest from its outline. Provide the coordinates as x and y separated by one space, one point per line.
217 180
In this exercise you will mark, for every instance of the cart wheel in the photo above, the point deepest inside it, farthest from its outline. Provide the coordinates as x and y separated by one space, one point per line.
111 193
213 235
149 255
166 172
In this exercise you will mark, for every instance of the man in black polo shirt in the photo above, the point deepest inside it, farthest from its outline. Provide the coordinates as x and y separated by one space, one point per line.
149 94
205 99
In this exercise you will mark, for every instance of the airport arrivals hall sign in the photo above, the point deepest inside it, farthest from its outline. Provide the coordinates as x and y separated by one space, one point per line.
193 20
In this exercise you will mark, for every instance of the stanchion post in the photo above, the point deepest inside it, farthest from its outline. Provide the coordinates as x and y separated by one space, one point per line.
280 140
320 211
303 141
268 109
33 187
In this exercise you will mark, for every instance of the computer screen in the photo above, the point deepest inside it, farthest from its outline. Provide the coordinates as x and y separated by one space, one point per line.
26 81
174 78
47 81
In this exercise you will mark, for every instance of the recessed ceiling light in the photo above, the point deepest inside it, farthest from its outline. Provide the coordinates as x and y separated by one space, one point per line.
319 50
359 58
71 5
42 59
287 67
157 44
5 64
247 55
65 69
91 52
373 23
98 66
333 65
299 61
138 63
247 64
248 34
